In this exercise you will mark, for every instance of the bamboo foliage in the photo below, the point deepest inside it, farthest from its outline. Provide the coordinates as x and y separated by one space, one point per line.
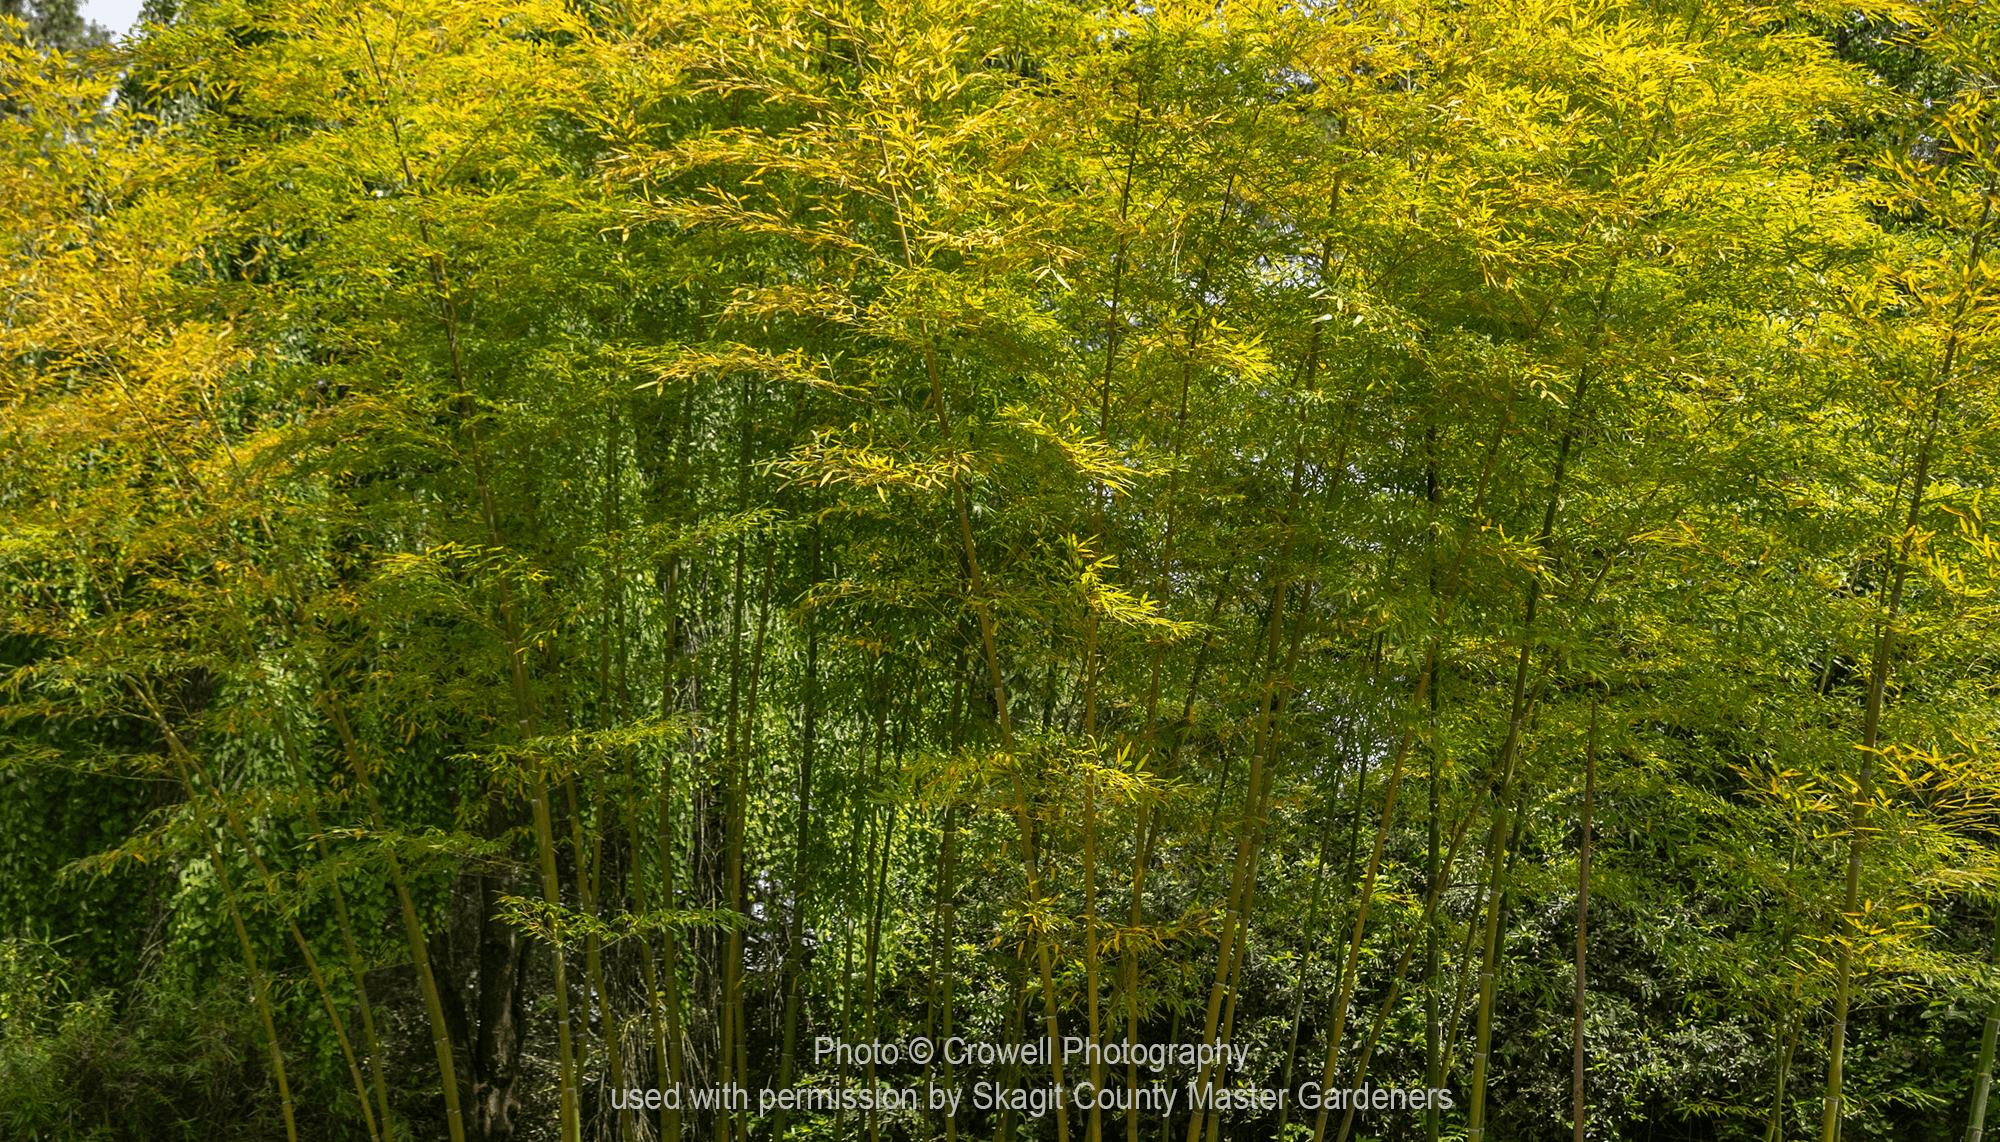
631 542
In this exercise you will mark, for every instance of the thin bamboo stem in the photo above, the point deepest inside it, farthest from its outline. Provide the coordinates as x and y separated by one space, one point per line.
259 986
413 927
1982 1073
1878 681
1578 1111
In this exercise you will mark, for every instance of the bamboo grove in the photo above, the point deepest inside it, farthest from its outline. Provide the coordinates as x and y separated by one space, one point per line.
556 548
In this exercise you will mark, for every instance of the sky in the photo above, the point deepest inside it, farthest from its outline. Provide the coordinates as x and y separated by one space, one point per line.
118 15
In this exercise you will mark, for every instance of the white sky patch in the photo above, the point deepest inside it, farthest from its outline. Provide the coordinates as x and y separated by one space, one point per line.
117 15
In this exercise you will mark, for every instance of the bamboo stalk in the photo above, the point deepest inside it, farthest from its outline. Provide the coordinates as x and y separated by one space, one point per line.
1249 830
947 921
1017 1022
1112 333
259 986
648 969
976 584
1578 1113
1517 715
1433 1074
742 900
877 903
938 1022
1252 827
1788 1039
672 635
356 970
413 927
1096 1129
290 748
1439 883
1240 953
613 589
552 894
1463 989
670 1117
370 1041
1350 969
1311 929
1982 1080
1476 928
526 718
809 742
1878 681
730 1033
1143 840
588 853
272 890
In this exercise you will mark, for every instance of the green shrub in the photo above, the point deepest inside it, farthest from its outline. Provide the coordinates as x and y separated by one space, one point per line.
179 1060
